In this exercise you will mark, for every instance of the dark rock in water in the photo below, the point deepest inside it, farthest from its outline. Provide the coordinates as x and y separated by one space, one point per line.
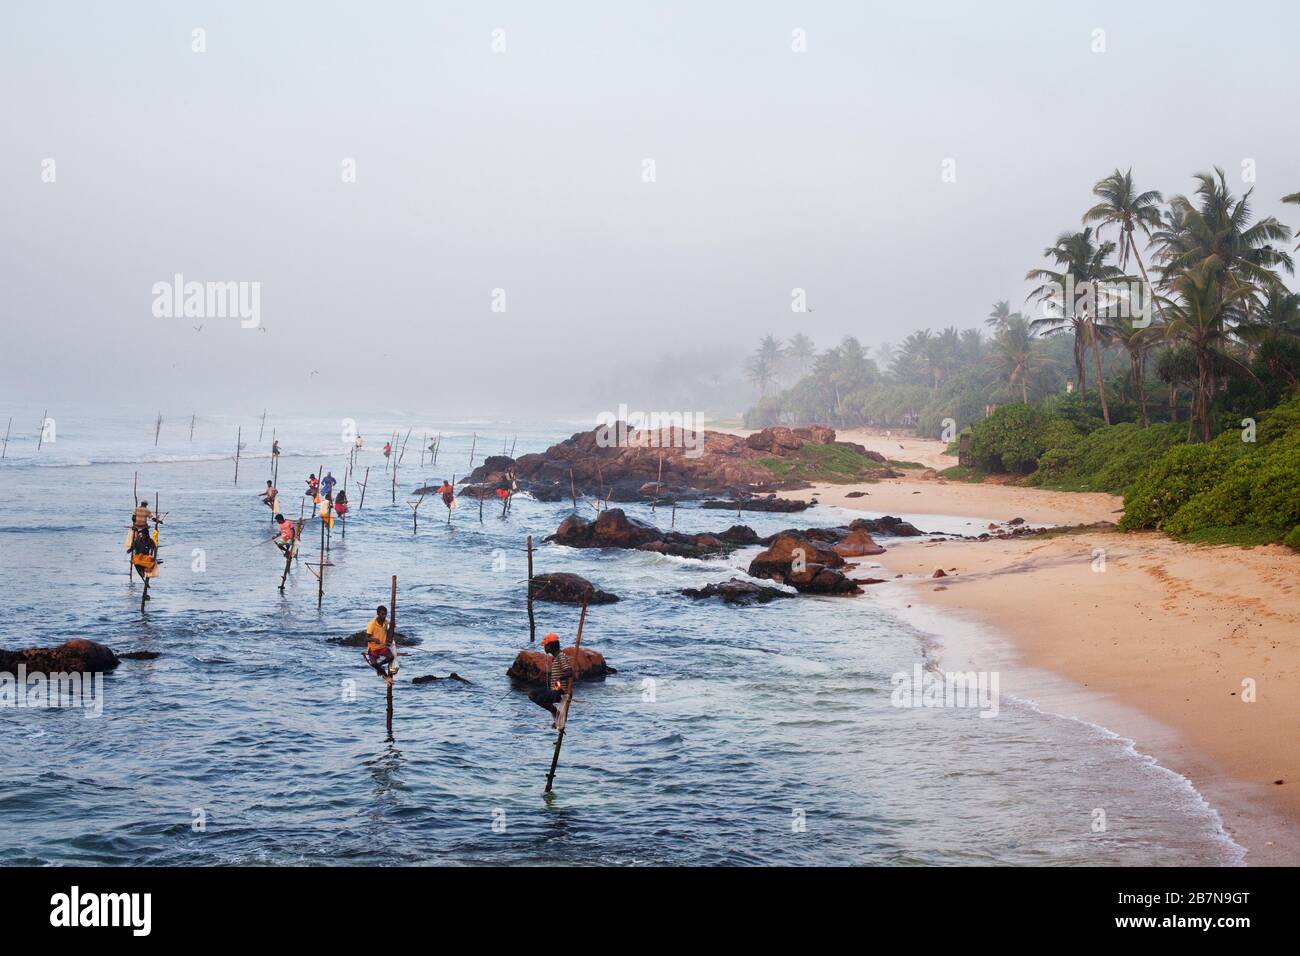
611 529
547 492
939 573
430 678
1016 521
534 667
565 588
789 547
737 591
739 534
886 524
855 494
807 565
140 656
76 656
772 504
614 529
361 639
867 580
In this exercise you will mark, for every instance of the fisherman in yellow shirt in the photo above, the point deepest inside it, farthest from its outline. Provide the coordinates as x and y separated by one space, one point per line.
378 650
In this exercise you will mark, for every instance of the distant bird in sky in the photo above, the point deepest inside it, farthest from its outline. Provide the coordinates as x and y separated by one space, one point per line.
199 327
313 373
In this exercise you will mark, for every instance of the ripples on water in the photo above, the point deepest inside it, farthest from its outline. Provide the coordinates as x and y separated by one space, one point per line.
723 729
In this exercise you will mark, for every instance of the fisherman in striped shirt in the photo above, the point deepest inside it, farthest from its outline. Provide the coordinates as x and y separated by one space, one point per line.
557 683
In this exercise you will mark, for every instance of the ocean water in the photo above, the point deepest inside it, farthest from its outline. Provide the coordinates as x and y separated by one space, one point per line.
749 736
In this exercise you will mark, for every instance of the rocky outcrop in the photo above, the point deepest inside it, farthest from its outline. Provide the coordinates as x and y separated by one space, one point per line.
619 464
857 544
534 667
76 656
565 588
737 591
886 524
614 529
769 503
361 639
808 565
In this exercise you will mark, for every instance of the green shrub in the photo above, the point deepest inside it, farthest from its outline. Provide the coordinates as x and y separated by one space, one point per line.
1107 459
1009 440
1292 540
1174 479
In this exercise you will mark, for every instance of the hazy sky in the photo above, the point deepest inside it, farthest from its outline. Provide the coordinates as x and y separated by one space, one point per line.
522 170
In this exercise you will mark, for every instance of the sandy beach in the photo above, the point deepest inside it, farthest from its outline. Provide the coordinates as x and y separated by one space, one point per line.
1151 638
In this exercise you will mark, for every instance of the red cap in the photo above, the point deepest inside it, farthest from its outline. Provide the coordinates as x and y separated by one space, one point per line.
550 639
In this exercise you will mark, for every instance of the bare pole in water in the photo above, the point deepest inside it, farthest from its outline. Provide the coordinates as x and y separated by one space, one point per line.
568 698
654 500
261 428
41 438
453 498
5 450
437 443
512 446
135 500
157 428
573 490
239 440
362 503
532 622
394 481
193 415
320 577
392 640
405 441
480 505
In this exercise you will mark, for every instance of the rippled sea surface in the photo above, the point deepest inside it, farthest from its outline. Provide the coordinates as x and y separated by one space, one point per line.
759 735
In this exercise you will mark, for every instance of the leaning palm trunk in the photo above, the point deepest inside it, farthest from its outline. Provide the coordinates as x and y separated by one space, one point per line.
1139 385
1080 367
1204 384
1101 385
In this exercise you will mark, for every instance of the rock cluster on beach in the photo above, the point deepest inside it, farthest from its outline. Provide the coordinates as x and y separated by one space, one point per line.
534 667
612 528
592 463
76 656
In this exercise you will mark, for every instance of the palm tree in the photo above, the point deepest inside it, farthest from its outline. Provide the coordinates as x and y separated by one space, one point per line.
1017 355
1137 341
1218 224
800 351
1200 315
1277 318
763 365
1083 266
999 316
1293 198
1123 206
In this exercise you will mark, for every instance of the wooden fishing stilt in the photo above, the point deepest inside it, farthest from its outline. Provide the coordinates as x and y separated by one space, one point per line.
532 622
239 440
192 417
394 482
480 505
674 522
568 698
471 451
320 576
512 446
262 427
392 641
415 514
437 443
573 490
156 521
40 440
4 451
135 500
453 498
157 428
405 442
362 503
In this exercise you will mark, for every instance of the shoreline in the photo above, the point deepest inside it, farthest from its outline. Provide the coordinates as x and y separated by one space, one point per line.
1143 636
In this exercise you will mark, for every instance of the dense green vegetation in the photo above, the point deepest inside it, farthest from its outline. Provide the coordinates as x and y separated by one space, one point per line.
830 463
1167 374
